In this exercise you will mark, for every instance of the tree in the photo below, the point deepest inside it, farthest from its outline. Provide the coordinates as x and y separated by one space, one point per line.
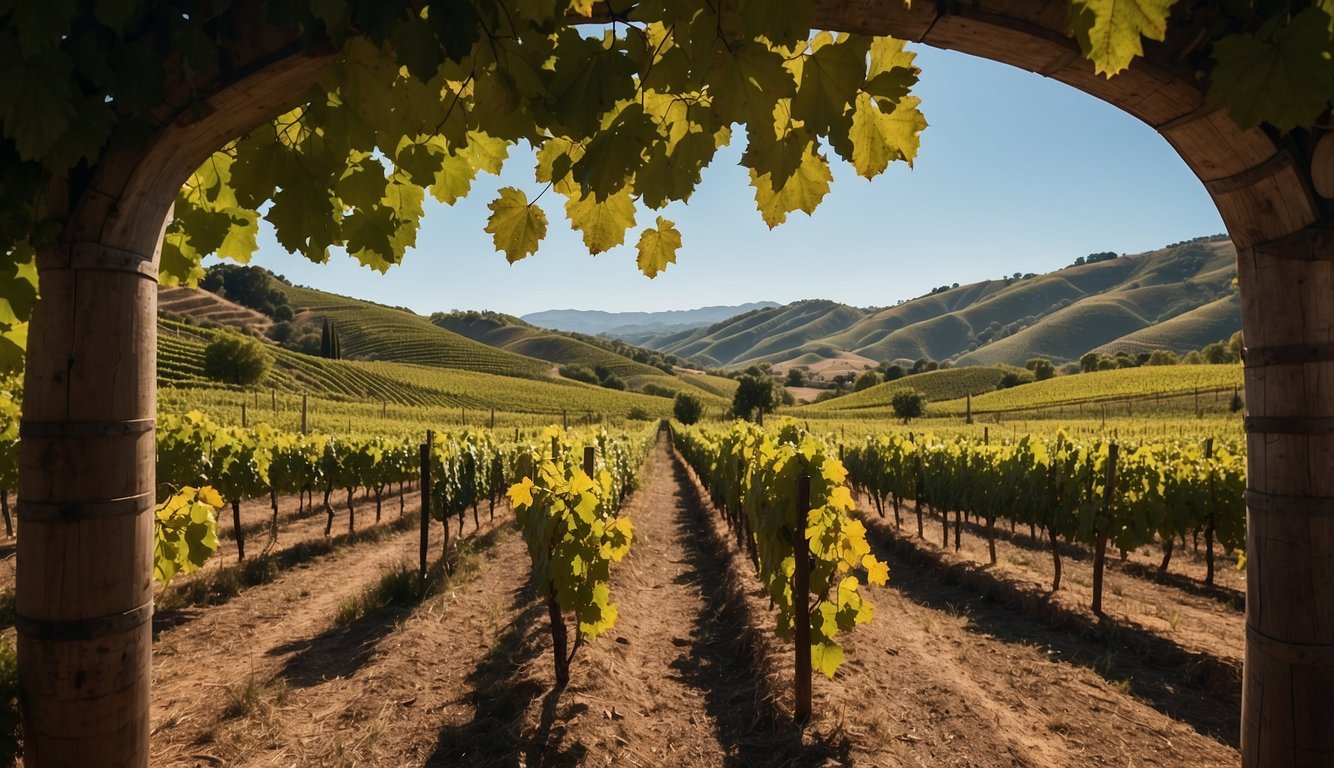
1236 344
1041 367
867 380
1217 354
908 404
236 359
1089 362
754 397
1162 357
687 408
893 372
796 376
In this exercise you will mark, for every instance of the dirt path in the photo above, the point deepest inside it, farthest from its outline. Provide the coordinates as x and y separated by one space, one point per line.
229 678
691 676
945 678
668 686
1181 621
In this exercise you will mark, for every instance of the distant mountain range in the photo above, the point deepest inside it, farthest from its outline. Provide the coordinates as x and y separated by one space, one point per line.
625 325
1178 298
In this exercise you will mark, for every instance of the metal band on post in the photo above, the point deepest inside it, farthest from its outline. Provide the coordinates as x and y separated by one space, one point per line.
1279 504
1291 425
74 630
54 430
52 511
1276 163
1289 354
1300 654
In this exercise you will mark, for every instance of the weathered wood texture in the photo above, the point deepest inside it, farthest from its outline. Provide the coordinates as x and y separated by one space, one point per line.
87 452
84 572
1266 191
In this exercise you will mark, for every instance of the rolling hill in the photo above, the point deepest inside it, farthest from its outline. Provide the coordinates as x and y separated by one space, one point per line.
1178 298
630 325
392 355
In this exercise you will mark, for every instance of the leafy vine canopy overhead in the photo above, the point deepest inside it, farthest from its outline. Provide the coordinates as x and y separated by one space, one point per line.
623 103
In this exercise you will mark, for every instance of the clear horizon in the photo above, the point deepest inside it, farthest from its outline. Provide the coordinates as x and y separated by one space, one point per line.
1016 173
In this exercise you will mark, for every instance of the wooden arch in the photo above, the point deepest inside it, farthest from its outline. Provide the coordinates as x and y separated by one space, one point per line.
87 455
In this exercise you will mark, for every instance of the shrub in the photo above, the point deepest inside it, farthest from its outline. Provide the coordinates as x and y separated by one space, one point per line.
236 359
908 404
866 381
687 408
578 373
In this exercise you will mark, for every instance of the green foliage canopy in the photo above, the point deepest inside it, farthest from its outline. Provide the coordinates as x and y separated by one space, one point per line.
236 359
425 95
687 408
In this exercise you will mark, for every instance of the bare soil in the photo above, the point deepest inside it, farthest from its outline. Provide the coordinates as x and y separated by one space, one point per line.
692 675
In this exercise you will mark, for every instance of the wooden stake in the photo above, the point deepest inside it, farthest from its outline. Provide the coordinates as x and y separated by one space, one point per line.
801 602
590 455
1210 521
1100 534
304 430
426 500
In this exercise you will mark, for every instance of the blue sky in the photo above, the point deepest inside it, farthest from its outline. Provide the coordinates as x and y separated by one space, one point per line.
1016 173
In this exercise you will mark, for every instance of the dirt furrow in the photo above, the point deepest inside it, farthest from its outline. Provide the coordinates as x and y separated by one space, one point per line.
222 679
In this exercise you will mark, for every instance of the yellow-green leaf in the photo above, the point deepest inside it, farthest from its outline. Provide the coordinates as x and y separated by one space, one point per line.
516 225
1110 31
876 572
826 657
602 221
802 191
879 139
657 247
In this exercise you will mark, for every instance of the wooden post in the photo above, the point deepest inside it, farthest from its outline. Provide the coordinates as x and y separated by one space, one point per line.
274 394
492 424
243 416
426 500
1100 533
801 602
565 419
590 456
304 430
968 419
986 435
86 494
1286 707
1210 521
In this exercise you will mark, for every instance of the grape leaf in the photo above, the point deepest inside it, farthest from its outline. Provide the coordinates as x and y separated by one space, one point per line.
745 82
879 139
603 221
588 81
830 77
516 225
1110 31
657 247
611 157
803 191
35 106
826 658
1284 77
